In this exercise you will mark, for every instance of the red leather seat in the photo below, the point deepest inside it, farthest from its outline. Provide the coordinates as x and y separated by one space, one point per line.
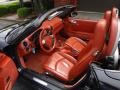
107 17
60 65
66 67
113 32
73 46
76 43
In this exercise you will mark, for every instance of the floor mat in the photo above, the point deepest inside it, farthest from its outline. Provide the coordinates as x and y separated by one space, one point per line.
22 84
36 61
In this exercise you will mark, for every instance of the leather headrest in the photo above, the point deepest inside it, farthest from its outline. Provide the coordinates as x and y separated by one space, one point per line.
115 12
107 14
107 17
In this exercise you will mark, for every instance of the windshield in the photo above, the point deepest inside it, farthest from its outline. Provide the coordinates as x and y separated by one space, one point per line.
16 32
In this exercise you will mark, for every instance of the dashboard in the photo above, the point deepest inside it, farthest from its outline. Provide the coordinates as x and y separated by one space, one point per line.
30 43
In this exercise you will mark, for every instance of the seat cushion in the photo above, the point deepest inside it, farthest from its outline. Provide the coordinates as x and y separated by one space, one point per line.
76 43
59 65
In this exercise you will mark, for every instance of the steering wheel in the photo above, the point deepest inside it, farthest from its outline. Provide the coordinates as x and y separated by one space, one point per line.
47 40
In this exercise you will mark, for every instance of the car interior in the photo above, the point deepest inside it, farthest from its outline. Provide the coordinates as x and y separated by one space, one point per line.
64 48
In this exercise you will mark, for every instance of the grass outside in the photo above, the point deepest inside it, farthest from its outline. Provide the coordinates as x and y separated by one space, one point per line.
13 7
9 8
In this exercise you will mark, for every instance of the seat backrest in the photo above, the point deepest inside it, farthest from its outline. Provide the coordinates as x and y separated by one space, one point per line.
90 52
113 32
107 17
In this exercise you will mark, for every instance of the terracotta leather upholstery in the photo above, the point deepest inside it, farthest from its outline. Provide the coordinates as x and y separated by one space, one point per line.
60 65
8 72
76 43
73 46
113 31
107 17
66 67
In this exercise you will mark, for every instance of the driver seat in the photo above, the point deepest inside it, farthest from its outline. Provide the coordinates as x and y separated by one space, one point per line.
66 68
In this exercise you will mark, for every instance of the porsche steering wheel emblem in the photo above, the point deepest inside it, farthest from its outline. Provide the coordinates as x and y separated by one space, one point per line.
43 42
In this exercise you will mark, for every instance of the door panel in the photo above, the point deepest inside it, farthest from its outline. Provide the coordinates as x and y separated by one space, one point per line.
80 28
8 72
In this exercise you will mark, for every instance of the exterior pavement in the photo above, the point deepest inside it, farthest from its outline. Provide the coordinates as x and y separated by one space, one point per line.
5 23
